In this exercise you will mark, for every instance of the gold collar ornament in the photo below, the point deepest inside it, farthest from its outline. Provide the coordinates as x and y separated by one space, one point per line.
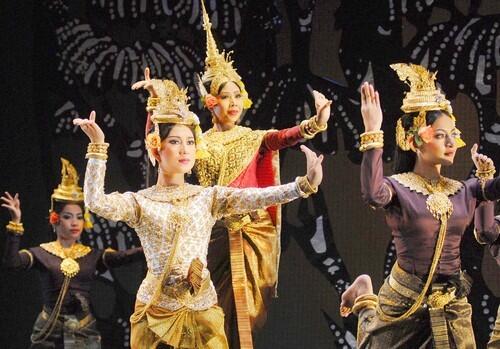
218 67
171 107
423 96
438 191
69 266
68 191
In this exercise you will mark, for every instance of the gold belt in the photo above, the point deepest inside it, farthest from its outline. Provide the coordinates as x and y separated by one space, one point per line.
436 301
87 319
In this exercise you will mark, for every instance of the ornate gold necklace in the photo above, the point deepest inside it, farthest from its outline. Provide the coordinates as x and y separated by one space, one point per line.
438 191
69 266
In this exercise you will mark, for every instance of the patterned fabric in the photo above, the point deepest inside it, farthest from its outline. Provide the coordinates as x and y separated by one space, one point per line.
414 331
157 213
230 153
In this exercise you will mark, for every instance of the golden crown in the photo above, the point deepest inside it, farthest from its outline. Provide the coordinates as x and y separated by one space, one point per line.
218 65
423 94
422 97
68 190
172 108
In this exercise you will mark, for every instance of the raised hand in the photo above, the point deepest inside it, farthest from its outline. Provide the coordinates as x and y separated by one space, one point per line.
322 105
146 84
370 108
314 168
90 127
12 204
482 162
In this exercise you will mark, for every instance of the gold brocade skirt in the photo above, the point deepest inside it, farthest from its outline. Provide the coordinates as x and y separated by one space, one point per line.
243 266
182 329
394 298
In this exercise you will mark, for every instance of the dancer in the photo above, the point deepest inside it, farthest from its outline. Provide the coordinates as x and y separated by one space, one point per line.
422 304
244 251
66 267
177 302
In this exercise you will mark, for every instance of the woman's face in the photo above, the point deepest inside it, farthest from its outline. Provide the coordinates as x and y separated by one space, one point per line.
178 150
70 225
230 104
441 149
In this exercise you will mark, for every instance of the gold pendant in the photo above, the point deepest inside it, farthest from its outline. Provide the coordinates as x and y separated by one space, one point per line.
69 267
439 205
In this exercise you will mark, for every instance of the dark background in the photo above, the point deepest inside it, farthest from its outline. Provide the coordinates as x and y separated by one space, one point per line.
63 59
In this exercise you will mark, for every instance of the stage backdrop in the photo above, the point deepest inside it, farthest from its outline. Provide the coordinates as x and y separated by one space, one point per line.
63 59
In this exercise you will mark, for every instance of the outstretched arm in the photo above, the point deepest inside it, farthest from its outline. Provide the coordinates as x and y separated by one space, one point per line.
375 189
115 206
229 201
14 258
112 258
276 140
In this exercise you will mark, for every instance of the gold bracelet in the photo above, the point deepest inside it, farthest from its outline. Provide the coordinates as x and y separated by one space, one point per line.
15 227
305 131
98 148
305 187
371 140
313 123
97 151
483 175
368 146
153 102
309 128
372 136
363 302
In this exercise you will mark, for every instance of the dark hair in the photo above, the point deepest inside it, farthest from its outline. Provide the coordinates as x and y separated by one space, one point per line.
59 205
165 130
404 161
224 84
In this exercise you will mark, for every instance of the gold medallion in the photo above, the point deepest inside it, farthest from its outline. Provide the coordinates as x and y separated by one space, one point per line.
69 267
439 205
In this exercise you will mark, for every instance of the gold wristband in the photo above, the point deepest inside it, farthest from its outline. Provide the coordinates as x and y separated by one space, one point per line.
372 136
371 140
368 146
313 122
483 175
305 131
363 302
97 151
486 174
305 187
309 128
152 103
15 227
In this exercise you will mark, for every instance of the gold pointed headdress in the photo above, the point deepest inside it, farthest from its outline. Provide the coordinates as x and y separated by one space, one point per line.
218 65
171 107
68 190
423 96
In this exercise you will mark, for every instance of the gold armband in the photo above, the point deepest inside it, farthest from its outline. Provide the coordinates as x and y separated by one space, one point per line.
371 140
305 187
152 103
97 151
30 256
16 228
309 128
366 301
